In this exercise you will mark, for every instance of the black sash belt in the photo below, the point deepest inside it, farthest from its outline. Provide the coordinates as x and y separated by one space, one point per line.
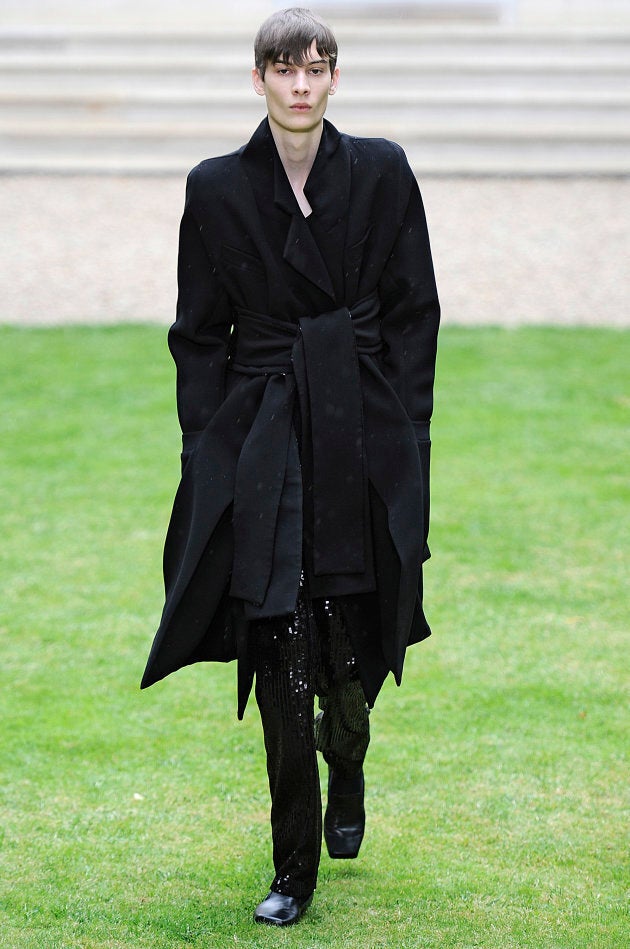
318 356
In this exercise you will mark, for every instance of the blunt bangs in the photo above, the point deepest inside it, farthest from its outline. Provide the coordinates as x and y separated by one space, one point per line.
287 36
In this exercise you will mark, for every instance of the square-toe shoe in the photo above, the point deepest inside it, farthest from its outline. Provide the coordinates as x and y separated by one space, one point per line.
344 820
280 910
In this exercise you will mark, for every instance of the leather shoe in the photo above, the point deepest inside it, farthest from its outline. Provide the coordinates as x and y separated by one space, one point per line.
344 820
280 910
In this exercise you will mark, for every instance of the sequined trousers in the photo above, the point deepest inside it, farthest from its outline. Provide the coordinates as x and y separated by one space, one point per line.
296 657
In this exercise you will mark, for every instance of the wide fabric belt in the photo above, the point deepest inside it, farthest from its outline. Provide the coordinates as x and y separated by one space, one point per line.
319 357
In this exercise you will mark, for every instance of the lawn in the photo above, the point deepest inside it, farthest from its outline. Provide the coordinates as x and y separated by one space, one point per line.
497 779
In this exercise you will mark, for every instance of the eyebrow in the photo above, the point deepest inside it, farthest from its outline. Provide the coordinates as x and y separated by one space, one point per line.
311 62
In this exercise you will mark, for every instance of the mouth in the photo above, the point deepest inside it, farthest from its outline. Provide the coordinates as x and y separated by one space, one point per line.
301 107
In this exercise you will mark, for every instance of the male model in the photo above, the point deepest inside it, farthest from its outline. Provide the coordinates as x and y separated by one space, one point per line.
305 345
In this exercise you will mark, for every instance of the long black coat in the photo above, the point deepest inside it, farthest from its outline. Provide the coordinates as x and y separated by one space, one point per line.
305 352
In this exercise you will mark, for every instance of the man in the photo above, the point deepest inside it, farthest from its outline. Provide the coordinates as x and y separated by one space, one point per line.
305 345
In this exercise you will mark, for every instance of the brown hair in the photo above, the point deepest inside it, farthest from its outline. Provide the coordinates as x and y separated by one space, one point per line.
287 36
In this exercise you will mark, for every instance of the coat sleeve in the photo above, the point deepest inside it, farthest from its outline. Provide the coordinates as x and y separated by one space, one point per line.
199 337
410 316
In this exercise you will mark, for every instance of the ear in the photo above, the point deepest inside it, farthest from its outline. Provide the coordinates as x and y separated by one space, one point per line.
334 81
258 82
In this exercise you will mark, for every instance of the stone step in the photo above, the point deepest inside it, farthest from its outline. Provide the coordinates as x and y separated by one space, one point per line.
30 73
431 150
214 53
460 100
356 36
398 104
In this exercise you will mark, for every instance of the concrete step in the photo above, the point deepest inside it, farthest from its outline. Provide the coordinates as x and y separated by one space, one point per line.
31 73
394 109
356 38
216 51
431 149
460 100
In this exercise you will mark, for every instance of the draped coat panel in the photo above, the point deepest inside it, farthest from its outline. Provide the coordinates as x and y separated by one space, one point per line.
305 352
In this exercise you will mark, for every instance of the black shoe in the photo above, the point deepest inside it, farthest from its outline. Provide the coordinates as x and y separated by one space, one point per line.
279 910
344 821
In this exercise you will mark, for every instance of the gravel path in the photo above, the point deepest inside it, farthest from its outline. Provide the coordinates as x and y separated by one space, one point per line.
96 249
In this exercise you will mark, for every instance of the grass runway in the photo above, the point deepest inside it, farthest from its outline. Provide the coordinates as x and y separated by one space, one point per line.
497 782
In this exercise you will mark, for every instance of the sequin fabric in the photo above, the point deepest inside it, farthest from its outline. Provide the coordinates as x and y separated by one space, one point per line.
297 657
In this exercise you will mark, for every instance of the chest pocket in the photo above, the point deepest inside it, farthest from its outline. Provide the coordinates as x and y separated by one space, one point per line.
355 252
242 262
354 261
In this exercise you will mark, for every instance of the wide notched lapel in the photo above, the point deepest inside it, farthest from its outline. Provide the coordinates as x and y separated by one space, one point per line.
255 191
327 190
300 249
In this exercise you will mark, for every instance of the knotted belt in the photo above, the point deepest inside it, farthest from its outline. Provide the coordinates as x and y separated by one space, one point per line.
319 358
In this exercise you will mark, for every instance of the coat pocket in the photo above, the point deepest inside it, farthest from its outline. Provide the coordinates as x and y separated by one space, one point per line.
354 253
242 261
356 249
354 259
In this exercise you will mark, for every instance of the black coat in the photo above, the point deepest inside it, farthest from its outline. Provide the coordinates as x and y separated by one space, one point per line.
305 352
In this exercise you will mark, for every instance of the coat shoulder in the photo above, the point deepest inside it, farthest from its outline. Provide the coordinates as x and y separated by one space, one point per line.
213 172
379 154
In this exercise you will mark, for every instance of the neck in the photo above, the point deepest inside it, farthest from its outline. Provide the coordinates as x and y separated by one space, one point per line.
297 151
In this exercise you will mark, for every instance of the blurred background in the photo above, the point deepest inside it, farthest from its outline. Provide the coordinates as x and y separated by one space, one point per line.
513 113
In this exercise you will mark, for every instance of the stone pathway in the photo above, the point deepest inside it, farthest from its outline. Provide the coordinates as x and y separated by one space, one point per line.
94 249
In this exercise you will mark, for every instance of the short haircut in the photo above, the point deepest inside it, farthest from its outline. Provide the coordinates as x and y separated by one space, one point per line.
287 36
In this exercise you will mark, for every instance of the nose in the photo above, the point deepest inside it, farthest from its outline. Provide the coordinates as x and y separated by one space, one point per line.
300 82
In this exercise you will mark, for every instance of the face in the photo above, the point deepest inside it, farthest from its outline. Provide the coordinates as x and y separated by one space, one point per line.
297 96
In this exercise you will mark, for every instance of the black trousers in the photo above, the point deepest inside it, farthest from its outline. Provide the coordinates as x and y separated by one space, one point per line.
297 657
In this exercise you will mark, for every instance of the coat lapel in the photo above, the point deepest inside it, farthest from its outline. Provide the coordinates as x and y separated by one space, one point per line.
327 190
328 185
300 249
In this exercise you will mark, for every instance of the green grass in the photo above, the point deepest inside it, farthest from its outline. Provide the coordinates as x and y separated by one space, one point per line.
497 778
